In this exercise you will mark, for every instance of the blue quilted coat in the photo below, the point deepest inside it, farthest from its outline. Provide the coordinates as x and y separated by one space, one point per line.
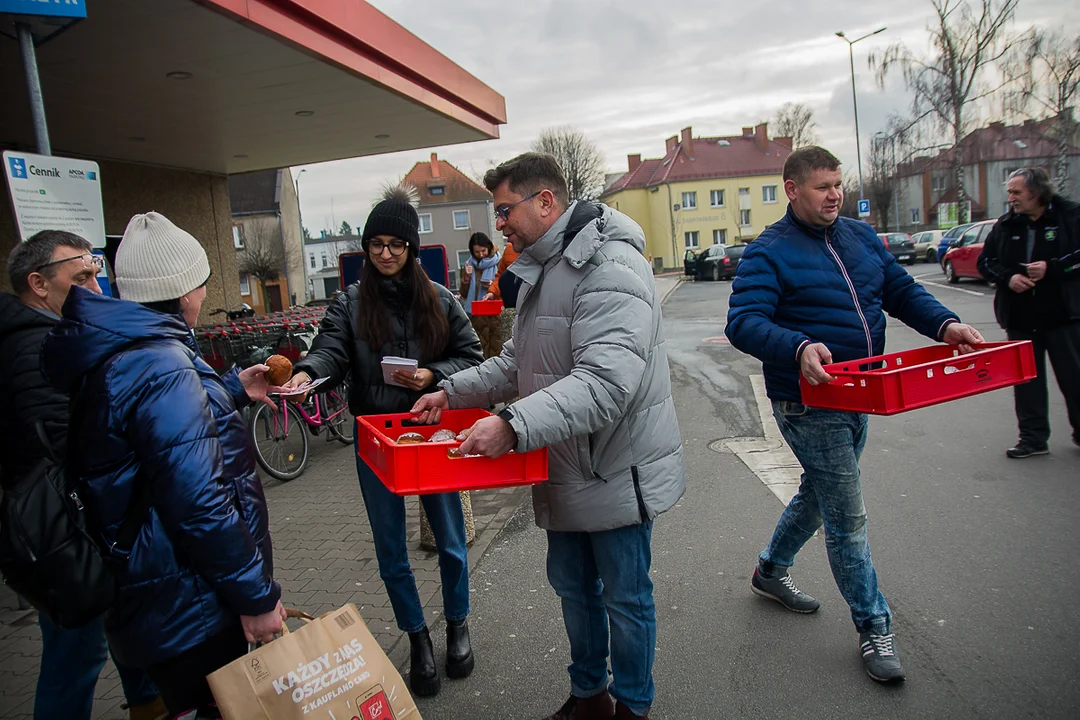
799 284
156 418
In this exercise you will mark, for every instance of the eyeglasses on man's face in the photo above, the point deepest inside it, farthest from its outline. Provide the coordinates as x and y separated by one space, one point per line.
503 211
397 247
90 261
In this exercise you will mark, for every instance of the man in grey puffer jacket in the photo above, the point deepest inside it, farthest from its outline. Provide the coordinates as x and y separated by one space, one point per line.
587 360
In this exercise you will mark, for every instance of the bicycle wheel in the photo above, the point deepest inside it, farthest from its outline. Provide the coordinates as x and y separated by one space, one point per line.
342 427
282 455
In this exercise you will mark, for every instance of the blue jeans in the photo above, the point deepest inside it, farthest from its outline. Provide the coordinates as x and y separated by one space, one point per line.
603 580
386 512
71 661
828 445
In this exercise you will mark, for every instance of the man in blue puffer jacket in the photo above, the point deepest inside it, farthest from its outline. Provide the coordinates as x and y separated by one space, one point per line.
158 427
814 289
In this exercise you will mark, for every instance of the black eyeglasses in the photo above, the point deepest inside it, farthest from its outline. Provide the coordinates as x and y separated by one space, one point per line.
90 262
503 211
397 247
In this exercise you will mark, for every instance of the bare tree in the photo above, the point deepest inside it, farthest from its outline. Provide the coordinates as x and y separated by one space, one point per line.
580 160
264 256
882 182
796 121
1047 68
965 42
345 229
850 207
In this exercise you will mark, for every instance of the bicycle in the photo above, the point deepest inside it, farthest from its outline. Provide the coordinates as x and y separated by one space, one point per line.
280 435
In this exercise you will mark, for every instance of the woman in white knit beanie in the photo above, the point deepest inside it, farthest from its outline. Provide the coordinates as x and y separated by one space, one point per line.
161 442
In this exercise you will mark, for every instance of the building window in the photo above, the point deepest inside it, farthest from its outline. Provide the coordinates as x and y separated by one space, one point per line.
914 216
689 201
461 219
719 237
768 194
462 257
940 182
245 284
744 191
312 258
325 261
238 237
744 218
437 190
716 198
691 239
425 223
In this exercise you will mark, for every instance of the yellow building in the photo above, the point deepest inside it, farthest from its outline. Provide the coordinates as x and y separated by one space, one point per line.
703 192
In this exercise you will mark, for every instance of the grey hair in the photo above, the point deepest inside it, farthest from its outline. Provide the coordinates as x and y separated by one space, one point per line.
28 257
1037 181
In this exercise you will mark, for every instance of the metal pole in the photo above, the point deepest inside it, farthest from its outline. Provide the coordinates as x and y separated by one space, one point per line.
896 187
33 85
855 103
303 240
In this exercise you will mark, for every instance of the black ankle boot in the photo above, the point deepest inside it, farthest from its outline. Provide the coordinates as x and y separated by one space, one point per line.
459 654
423 677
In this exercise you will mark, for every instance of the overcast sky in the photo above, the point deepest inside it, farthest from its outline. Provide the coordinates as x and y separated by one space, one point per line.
630 73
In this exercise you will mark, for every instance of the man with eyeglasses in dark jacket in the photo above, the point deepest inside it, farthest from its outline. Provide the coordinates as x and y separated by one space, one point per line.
42 270
1033 256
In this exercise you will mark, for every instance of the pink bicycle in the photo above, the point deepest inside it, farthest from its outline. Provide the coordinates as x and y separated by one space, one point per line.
280 435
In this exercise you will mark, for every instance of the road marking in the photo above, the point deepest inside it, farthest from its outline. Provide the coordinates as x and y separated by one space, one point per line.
953 287
769 458
916 277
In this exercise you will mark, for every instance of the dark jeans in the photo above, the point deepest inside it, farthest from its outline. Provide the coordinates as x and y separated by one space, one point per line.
603 581
386 511
1062 344
828 445
71 661
182 679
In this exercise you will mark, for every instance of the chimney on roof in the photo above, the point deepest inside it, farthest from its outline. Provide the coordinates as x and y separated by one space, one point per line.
434 165
761 137
789 142
997 126
633 161
688 141
671 143
747 131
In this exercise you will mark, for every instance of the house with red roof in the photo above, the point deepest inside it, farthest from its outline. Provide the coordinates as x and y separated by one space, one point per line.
988 156
704 191
452 207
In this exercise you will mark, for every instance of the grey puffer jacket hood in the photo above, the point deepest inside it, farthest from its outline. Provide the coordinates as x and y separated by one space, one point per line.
587 360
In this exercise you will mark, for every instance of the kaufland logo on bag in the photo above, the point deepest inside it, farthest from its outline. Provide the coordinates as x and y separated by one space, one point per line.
18 167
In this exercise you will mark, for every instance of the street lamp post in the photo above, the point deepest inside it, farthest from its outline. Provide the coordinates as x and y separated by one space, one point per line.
303 240
854 100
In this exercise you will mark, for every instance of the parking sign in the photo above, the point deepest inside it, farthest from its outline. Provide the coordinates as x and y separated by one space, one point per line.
864 208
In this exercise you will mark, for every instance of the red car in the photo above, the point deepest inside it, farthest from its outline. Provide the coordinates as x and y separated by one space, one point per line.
961 261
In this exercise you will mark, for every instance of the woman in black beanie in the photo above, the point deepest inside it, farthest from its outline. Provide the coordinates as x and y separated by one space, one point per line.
396 310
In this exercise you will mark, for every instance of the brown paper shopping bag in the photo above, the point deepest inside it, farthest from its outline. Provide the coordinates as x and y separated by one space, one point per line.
330 669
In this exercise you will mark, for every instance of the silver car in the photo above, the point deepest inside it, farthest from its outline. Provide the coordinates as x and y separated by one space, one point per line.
926 244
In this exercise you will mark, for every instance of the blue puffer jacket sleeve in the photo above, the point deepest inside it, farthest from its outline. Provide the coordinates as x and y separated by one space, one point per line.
756 293
911 303
231 381
175 439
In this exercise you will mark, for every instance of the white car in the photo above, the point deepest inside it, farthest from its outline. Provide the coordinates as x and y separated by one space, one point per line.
926 244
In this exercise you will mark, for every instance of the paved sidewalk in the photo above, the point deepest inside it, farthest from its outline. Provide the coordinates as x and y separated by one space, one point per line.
323 556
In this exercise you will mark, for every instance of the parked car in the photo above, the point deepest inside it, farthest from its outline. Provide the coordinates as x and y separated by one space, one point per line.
719 262
900 245
926 244
947 237
962 259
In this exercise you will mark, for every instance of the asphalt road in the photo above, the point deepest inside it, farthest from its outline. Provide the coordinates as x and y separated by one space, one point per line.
975 553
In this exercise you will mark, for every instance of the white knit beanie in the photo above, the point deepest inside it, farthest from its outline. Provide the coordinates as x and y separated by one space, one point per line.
158 261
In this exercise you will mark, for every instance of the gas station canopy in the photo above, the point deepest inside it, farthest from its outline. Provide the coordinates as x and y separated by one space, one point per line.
230 86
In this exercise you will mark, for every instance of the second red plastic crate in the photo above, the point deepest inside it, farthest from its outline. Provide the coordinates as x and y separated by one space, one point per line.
422 468
487 307
898 382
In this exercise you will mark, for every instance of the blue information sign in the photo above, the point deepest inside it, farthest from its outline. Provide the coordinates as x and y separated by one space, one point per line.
51 8
864 208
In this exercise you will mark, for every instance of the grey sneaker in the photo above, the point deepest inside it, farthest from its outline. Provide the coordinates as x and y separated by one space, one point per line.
783 591
880 657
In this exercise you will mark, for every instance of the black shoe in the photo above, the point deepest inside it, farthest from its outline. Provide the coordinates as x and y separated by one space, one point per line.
880 657
423 677
1024 449
459 654
783 591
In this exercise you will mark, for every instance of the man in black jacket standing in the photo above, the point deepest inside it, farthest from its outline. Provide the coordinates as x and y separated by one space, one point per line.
42 271
1033 255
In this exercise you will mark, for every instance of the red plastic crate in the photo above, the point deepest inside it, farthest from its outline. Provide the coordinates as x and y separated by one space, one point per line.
487 307
422 468
898 382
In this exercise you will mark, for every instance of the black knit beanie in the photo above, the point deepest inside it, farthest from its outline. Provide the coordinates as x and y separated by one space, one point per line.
393 217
